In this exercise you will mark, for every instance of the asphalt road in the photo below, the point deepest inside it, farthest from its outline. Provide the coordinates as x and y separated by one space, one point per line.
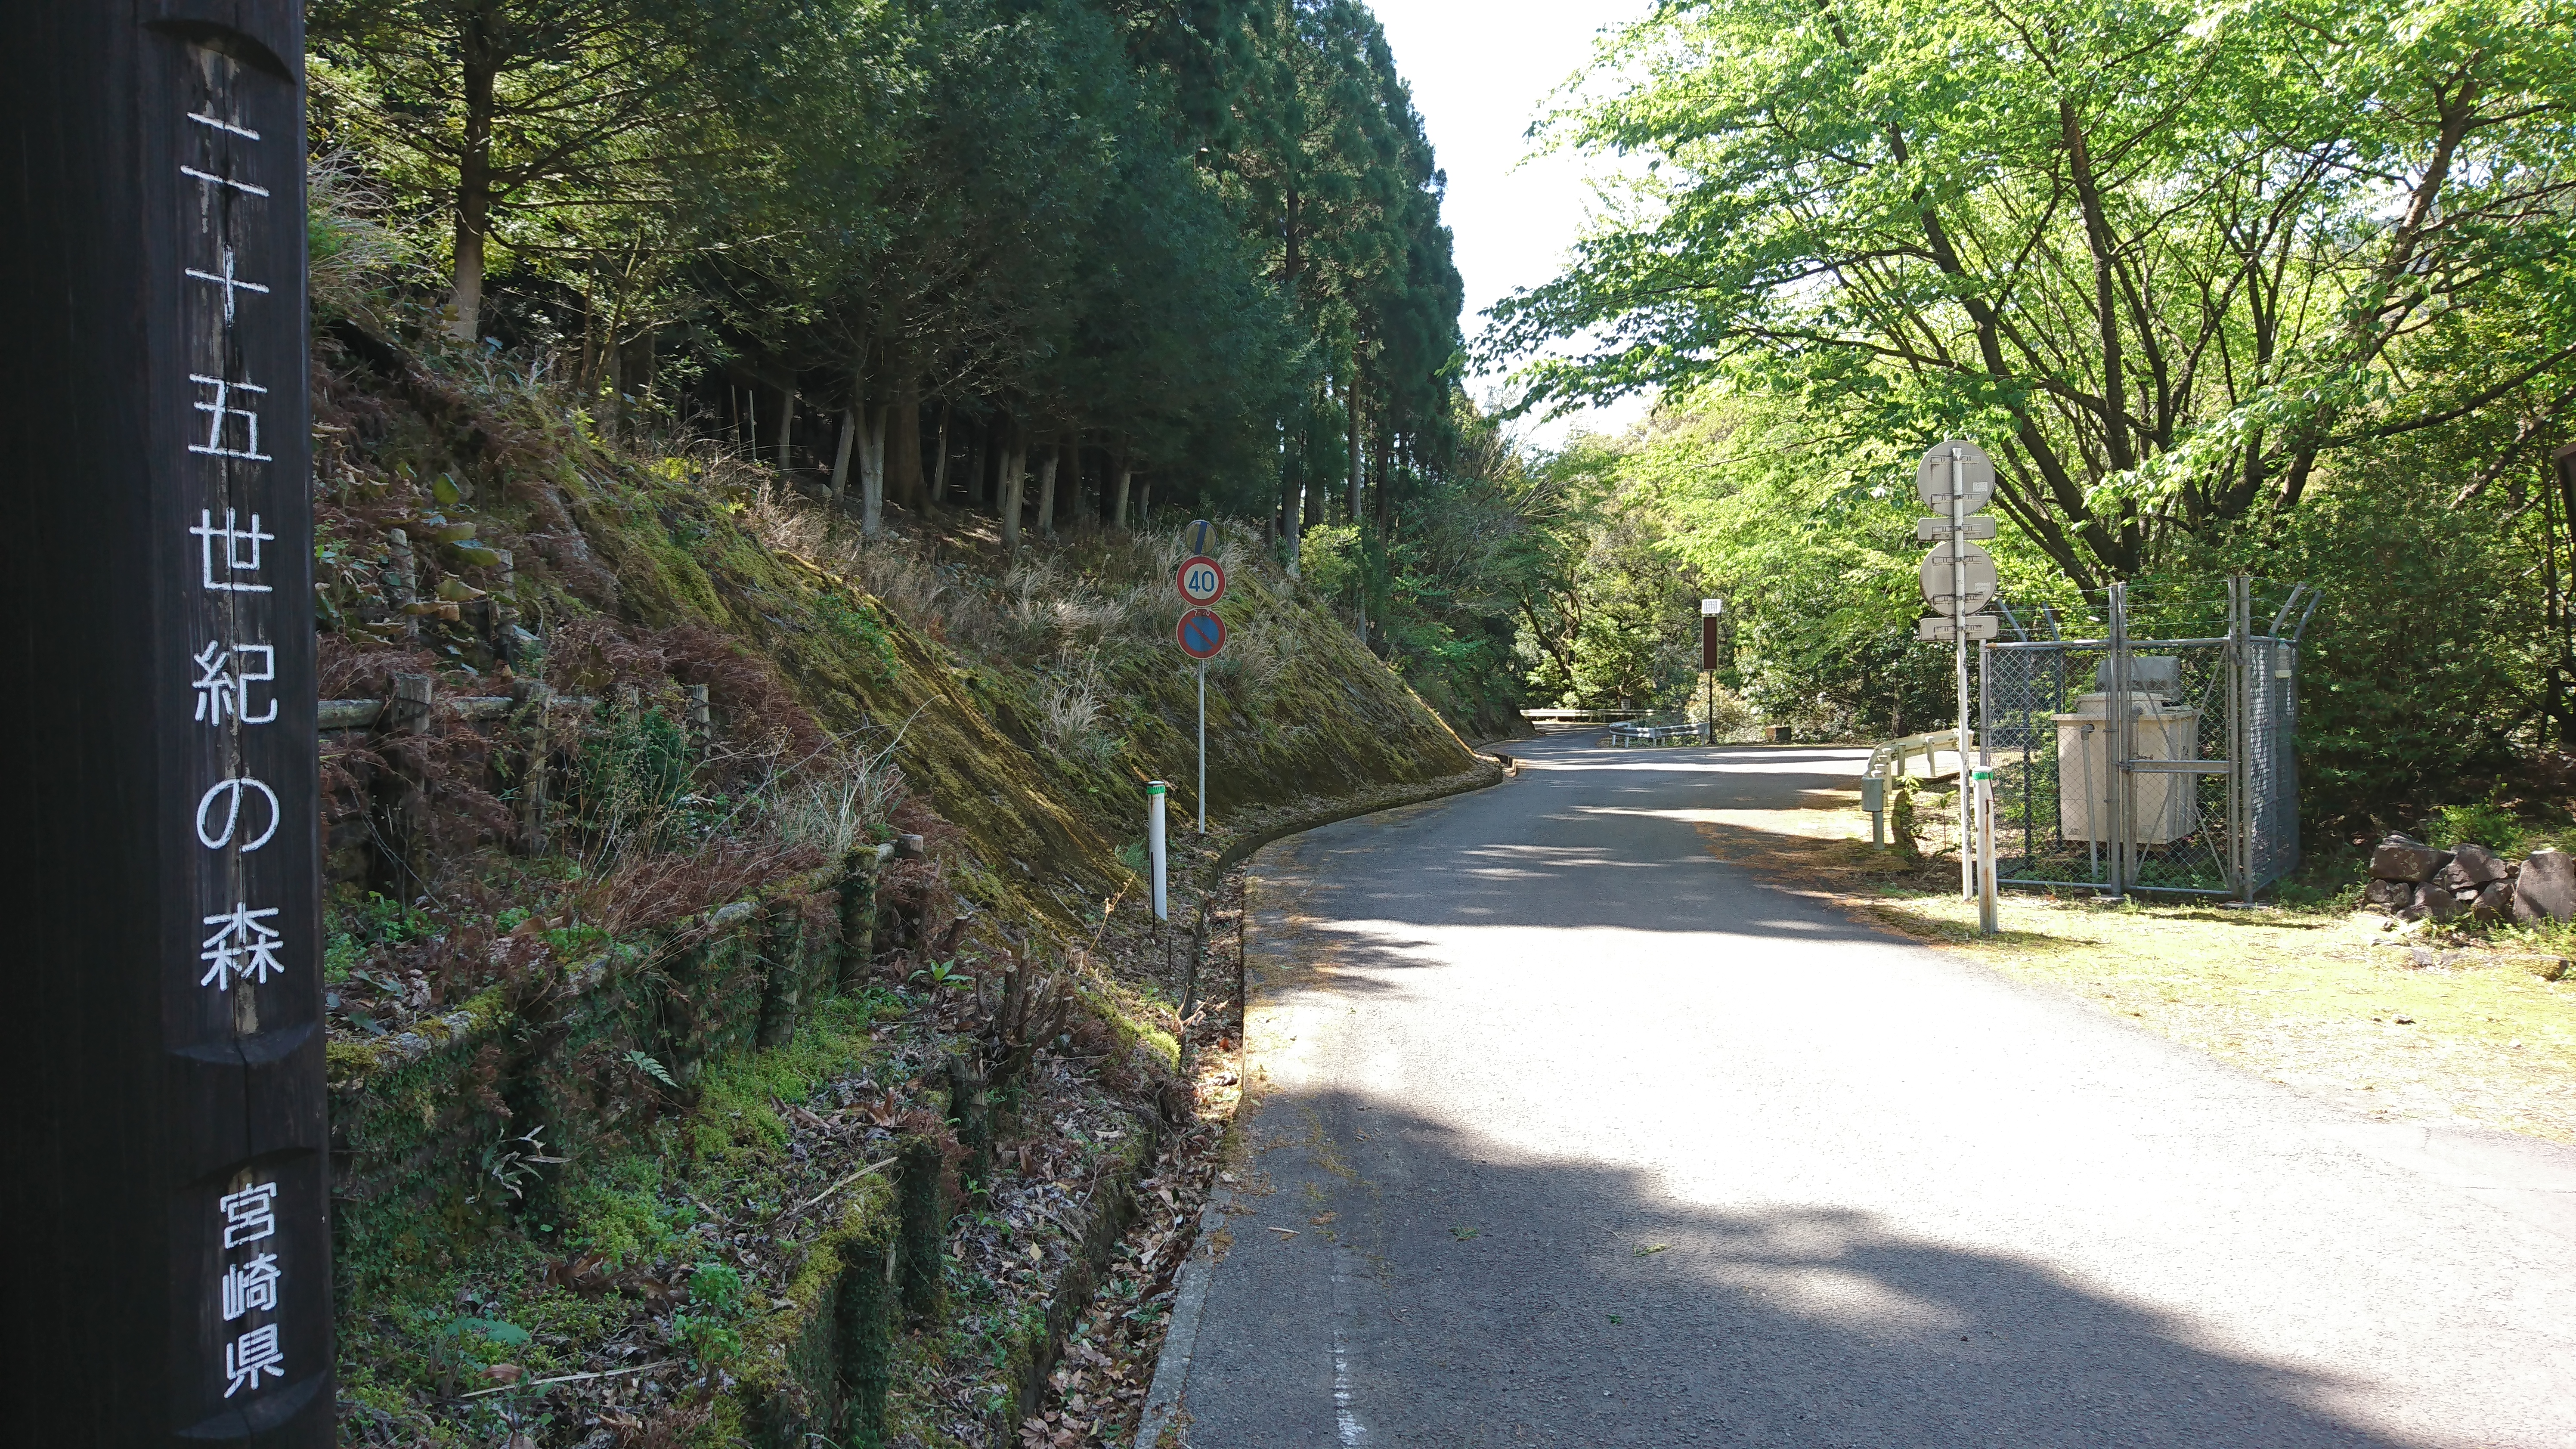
1579 1136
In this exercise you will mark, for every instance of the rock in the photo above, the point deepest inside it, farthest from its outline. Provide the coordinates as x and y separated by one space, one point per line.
2493 903
2399 858
2388 895
2546 888
2472 867
2433 903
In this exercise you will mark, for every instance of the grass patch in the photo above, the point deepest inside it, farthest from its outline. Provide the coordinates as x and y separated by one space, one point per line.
2404 1025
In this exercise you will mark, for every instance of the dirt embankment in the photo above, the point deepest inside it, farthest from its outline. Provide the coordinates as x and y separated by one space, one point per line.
745 1021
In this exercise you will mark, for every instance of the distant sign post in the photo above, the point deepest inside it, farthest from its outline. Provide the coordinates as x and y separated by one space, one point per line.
1201 582
1709 609
168 1161
1956 479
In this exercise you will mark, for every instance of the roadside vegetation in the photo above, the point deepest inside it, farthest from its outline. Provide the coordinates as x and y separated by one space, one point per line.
2458 1022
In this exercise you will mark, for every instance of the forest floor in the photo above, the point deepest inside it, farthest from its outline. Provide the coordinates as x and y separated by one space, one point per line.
2401 1023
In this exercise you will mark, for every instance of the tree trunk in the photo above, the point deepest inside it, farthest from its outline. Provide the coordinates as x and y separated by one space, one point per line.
1145 505
903 443
979 464
939 472
1049 456
1385 477
587 383
473 182
1014 466
1351 411
1291 511
849 436
786 427
1123 465
872 472
841 454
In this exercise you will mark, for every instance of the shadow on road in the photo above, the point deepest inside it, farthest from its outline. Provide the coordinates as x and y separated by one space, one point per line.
1478 1297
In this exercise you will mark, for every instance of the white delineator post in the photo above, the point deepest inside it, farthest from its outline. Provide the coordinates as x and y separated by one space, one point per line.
1985 844
1959 646
1155 792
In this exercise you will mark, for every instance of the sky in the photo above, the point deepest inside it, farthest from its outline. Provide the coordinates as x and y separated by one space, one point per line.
1481 71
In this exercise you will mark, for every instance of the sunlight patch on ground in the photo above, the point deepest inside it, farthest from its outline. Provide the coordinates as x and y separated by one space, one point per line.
2324 1002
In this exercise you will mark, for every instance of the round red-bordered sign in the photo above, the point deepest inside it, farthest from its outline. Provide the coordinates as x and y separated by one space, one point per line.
1201 579
1202 634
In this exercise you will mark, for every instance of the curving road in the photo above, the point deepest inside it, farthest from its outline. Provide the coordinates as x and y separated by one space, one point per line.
1582 1137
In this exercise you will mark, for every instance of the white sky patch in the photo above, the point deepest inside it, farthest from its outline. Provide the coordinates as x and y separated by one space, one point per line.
1481 72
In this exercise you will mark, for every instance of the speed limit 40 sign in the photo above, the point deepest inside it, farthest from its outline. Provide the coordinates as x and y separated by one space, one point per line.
1201 580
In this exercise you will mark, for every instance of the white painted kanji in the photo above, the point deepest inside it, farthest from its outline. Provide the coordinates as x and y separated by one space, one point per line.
250 1286
227 127
253 1354
232 284
224 678
243 946
234 560
226 406
212 180
250 1214
230 794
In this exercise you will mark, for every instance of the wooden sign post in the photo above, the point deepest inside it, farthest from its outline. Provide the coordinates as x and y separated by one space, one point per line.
168 1205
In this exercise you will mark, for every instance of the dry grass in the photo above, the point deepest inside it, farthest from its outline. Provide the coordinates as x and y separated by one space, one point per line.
2329 1003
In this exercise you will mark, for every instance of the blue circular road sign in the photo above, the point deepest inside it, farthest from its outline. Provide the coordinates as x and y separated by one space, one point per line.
1202 634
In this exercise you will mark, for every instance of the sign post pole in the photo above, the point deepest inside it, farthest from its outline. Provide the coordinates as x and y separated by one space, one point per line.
1958 581
1708 612
168 1159
1201 581
1959 646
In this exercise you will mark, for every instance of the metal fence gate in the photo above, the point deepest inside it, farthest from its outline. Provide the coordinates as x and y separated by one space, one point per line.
2156 756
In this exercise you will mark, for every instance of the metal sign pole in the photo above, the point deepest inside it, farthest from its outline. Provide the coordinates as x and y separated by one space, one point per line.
1202 749
1959 648
169 1165
2123 747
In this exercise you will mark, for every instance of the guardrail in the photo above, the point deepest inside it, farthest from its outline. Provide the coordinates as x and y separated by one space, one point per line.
1583 716
1622 736
1888 760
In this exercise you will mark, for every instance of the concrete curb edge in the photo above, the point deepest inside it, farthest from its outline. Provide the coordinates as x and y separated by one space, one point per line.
1198 1269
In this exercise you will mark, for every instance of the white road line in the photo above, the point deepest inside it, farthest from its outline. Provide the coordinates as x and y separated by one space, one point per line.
1346 1420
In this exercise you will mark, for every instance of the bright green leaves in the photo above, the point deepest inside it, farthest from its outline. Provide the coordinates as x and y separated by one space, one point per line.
2170 261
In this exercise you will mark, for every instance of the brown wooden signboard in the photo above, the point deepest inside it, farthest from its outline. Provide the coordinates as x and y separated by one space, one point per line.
168 1198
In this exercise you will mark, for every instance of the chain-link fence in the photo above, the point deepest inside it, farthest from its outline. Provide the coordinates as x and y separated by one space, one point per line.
2154 752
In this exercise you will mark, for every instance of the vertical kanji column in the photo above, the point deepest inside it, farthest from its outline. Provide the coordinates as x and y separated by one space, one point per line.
167 1155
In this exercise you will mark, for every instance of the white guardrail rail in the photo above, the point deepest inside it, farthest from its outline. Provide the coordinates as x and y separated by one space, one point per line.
1622 736
1889 760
